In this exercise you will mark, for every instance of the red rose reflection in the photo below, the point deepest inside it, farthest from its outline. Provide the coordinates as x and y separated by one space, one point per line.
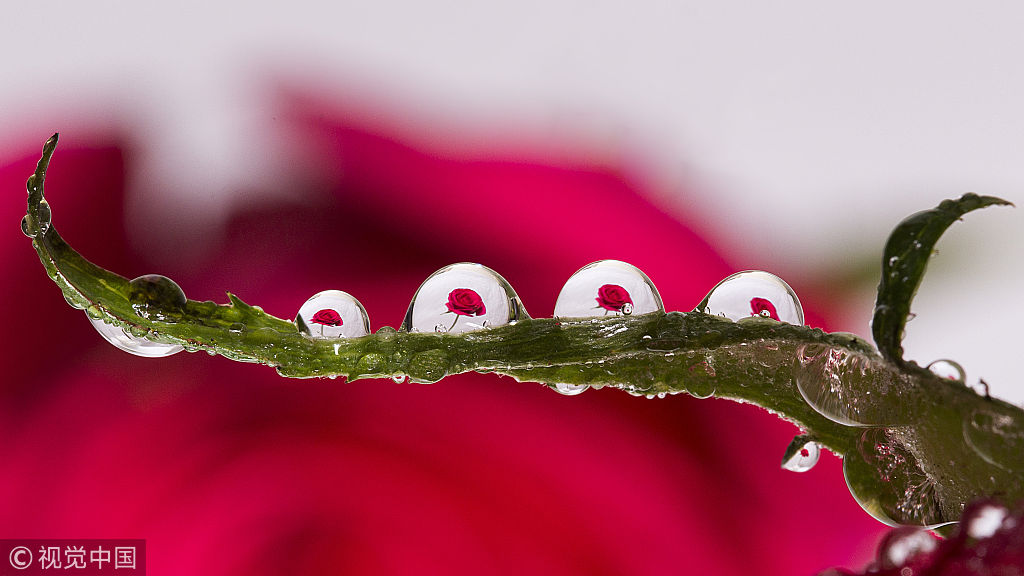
465 302
613 297
759 307
327 317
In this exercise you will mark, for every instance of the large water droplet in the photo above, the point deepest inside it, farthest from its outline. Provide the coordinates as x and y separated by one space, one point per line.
133 344
753 293
333 314
949 370
804 458
157 298
607 287
462 298
886 479
903 545
996 437
848 388
569 389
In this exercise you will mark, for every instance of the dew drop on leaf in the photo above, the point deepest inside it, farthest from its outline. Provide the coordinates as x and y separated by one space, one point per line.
949 370
133 344
886 479
996 438
463 297
156 297
753 293
26 227
849 389
333 314
804 459
607 288
569 389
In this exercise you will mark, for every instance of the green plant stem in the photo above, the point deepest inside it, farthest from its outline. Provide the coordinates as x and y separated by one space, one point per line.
756 361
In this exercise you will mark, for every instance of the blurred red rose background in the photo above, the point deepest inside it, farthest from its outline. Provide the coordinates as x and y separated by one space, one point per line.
226 468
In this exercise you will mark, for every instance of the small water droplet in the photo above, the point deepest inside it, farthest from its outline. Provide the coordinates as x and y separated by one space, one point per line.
903 545
463 297
428 366
607 287
753 293
26 227
93 312
156 297
73 302
803 459
399 378
237 328
569 389
949 370
333 314
133 344
985 521
43 217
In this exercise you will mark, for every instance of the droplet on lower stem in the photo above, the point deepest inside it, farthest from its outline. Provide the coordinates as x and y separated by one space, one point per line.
569 389
607 287
903 545
753 293
803 459
136 345
463 297
949 370
333 314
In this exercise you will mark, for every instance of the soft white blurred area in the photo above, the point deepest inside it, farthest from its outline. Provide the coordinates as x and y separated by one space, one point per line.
810 128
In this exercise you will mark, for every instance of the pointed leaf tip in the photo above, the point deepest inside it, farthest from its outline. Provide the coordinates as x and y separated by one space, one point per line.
904 262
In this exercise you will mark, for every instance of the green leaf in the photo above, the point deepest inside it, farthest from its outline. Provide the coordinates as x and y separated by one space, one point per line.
904 262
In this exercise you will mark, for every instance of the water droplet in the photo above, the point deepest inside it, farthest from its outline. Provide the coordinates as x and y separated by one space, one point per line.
886 479
847 388
903 545
93 312
333 314
157 298
133 344
804 458
399 378
43 217
73 302
462 298
237 328
569 389
996 437
985 521
949 370
26 227
428 366
753 293
607 287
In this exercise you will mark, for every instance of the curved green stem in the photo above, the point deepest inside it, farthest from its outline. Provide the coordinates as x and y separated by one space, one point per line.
917 447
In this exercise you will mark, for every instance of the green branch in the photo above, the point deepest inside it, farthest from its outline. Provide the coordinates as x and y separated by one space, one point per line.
916 447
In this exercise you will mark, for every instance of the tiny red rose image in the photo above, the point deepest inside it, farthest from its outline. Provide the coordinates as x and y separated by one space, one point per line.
613 297
327 317
465 302
758 307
